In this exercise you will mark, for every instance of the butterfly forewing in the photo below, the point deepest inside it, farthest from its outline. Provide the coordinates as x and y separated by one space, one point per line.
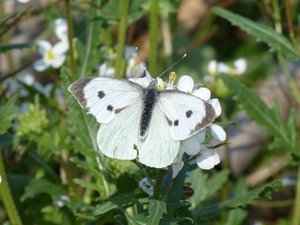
120 138
185 114
105 97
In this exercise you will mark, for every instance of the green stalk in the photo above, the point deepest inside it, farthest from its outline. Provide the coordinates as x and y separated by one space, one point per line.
88 46
70 36
153 36
158 183
123 17
296 216
6 196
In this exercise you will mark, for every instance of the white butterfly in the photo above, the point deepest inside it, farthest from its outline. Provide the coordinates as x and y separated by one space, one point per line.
141 121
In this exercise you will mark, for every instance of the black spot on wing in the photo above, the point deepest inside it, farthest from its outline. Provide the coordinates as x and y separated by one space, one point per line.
188 113
176 122
207 119
101 94
110 108
77 90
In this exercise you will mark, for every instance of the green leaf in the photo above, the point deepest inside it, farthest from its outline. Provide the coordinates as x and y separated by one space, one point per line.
86 184
261 32
5 48
114 203
39 186
156 210
205 186
240 200
269 118
7 114
137 220
84 129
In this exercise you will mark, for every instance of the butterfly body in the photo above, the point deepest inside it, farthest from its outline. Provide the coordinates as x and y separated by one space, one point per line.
139 121
150 98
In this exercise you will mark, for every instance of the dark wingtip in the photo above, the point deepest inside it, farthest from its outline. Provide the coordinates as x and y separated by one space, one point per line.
76 89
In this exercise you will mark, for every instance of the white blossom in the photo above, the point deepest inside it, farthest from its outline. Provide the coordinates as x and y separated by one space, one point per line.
146 185
52 56
23 1
194 146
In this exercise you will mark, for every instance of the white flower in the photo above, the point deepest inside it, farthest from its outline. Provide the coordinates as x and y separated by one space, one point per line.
23 1
52 56
240 66
61 29
61 201
215 67
106 71
133 68
146 185
207 158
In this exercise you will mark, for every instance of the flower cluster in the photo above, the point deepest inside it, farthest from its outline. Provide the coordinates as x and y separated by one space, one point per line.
206 158
133 67
239 67
53 55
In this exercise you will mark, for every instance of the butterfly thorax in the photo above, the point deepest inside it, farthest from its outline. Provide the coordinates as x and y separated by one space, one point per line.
150 97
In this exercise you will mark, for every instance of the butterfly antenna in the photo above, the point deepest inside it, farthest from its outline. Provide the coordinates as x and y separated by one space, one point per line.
170 67
145 68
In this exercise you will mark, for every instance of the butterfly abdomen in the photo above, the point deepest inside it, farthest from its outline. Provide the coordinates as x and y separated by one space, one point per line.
150 98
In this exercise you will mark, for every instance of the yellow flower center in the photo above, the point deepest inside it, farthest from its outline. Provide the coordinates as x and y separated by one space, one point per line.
50 55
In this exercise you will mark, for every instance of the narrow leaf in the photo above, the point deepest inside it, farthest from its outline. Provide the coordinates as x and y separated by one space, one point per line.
5 48
240 200
267 117
261 32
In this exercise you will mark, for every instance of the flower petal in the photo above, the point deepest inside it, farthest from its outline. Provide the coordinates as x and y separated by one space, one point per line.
223 68
240 65
191 145
58 61
176 167
61 47
201 136
43 46
207 159
186 84
61 29
216 105
40 65
218 132
212 67
203 93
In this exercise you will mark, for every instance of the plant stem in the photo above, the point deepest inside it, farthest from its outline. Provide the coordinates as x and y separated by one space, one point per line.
123 17
153 36
70 36
296 216
158 183
6 196
89 39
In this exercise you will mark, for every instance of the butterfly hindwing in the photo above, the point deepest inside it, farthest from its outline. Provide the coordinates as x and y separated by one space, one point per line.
185 114
159 149
105 97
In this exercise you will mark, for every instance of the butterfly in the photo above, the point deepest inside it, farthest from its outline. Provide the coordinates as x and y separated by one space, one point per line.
139 121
